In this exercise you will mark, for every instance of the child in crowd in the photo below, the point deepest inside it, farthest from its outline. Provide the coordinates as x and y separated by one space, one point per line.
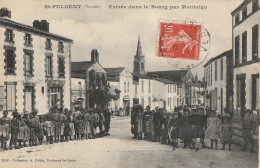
41 130
226 131
48 126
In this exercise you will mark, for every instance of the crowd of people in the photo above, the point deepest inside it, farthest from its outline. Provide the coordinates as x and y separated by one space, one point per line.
59 125
188 125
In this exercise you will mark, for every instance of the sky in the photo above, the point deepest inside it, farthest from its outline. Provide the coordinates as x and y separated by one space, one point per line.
114 32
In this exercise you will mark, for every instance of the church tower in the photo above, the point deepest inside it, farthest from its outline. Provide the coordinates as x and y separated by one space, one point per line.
139 60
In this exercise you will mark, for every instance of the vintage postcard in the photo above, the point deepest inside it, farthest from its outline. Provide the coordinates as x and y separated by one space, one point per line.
125 84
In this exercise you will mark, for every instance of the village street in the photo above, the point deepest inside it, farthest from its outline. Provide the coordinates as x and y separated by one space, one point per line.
119 150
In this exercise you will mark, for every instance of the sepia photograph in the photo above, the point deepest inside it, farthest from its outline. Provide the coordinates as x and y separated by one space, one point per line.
126 84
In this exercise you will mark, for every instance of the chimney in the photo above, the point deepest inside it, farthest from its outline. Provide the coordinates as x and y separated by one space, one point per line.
94 55
5 13
42 25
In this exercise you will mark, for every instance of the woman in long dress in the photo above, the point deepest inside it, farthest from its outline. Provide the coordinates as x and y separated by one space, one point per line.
213 129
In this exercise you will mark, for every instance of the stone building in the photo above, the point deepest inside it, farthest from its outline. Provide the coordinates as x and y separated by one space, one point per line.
218 73
35 66
246 62
95 78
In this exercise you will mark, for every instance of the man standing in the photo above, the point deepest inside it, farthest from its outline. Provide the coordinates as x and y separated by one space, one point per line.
15 124
249 126
4 129
107 116
157 125
86 118
134 123
63 118
34 122
56 123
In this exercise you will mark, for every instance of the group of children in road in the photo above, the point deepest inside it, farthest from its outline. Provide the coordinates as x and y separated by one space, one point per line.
57 126
188 125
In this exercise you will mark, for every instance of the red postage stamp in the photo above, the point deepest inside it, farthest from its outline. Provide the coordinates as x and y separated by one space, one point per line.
179 40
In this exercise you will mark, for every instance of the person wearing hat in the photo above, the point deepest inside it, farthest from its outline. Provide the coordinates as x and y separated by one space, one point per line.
157 126
63 118
249 128
20 136
49 129
107 115
36 118
91 123
140 118
15 124
134 123
213 129
55 116
86 117
173 127
4 129
25 123
186 128
226 131
70 129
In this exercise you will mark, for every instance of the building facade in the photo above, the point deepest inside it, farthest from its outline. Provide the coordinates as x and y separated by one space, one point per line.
167 92
143 91
35 66
95 79
120 81
246 61
218 74
78 90
184 80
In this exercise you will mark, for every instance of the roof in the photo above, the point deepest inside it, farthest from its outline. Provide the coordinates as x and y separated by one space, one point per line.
174 75
77 75
81 66
226 53
19 26
114 71
166 81
241 6
142 76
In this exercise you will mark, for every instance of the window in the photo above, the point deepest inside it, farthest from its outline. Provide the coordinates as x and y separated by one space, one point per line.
28 64
149 101
28 39
221 69
178 91
48 43
128 87
135 89
244 47
124 87
10 61
255 5
236 50
244 12
61 67
9 35
255 42
216 70
168 88
175 88
60 46
142 65
255 90
149 87
48 66
55 97
237 19
170 102
10 97
142 86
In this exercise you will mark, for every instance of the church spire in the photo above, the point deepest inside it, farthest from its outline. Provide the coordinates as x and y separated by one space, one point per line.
139 60
139 48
